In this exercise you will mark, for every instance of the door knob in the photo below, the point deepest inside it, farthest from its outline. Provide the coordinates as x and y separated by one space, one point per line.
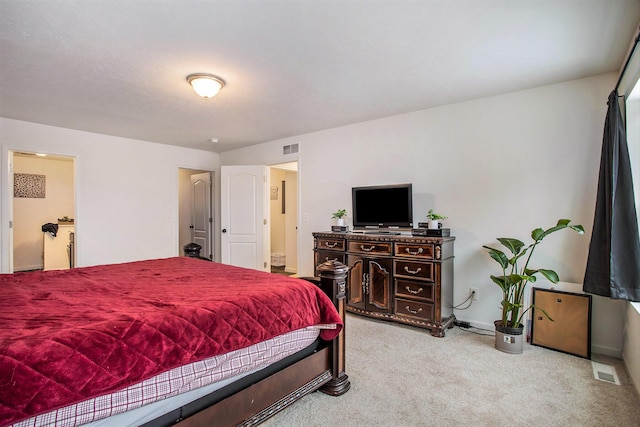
224 230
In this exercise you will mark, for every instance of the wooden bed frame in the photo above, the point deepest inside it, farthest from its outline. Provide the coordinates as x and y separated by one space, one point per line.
323 370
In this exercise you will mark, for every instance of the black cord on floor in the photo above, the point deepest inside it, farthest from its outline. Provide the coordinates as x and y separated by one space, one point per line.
490 334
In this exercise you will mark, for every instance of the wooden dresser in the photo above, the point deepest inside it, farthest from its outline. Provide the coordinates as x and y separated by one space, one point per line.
406 279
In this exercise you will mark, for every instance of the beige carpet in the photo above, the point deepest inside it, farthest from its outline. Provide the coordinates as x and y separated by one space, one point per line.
401 376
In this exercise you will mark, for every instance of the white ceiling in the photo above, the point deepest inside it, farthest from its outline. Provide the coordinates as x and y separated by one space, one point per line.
118 67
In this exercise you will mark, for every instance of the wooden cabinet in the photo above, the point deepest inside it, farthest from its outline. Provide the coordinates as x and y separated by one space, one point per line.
58 250
369 283
407 279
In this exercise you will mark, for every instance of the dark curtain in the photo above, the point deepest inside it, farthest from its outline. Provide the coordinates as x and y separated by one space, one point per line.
613 266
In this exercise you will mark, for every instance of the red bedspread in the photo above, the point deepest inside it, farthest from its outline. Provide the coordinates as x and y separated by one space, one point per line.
66 336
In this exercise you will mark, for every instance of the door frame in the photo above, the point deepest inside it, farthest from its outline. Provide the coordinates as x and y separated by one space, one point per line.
299 216
297 213
215 209
207 235
7 214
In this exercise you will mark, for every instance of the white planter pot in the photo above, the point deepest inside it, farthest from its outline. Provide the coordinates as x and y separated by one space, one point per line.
340 221
509 340
433 224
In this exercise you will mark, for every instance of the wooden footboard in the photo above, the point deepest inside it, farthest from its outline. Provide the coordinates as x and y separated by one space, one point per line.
333 282
267 397
323 370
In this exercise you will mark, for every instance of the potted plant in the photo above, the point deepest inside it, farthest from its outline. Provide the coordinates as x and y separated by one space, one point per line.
339 216
513 282
433 219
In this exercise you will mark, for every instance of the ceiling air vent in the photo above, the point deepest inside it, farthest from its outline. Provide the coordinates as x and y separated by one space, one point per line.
290 149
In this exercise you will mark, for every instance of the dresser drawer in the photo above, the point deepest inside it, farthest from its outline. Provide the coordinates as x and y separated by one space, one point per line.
414 289
364 247
414 269
419 310
324 256
333 244
417 250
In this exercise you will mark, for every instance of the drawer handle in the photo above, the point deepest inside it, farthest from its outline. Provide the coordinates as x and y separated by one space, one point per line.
412 291
369 249
413 311
418 252
331 245
406 268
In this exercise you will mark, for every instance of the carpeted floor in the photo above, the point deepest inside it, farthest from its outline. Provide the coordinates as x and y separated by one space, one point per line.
280 270
402 376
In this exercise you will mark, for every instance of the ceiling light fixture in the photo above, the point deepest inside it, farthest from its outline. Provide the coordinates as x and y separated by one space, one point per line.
205 85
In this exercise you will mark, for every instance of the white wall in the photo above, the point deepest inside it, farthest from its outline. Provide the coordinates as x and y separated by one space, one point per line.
497 167
631 349
126 195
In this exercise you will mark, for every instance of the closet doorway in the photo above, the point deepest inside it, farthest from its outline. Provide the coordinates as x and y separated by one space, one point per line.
195 193
43 211
283 205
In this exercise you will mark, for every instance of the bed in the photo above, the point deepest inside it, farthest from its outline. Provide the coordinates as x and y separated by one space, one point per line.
164 342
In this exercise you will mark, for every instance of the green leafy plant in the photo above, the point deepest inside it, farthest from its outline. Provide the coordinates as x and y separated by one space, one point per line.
340 213
431 215
515 276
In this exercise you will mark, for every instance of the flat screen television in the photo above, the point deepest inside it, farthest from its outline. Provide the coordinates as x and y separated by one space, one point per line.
382 206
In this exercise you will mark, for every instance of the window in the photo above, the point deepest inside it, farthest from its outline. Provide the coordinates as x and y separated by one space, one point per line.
632 109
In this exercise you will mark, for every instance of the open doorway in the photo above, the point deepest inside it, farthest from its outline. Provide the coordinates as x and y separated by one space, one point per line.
43 232
283 205
195 218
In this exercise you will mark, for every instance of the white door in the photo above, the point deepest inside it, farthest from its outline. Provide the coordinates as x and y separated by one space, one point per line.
243 218
201 217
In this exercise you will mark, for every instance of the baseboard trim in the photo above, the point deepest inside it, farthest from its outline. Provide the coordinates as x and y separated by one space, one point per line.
607 351
480 325
28 268
595 349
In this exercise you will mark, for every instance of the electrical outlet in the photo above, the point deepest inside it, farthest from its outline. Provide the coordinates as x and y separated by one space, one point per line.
474 292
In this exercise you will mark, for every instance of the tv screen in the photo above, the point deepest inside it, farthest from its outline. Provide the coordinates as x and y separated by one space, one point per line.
382 206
